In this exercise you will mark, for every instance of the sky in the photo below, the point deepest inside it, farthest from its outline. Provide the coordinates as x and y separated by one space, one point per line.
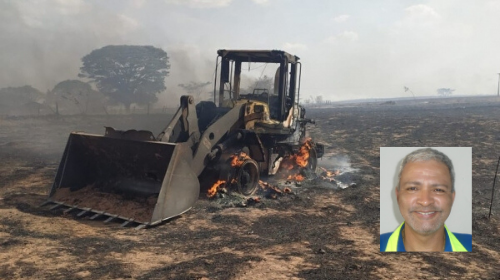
352 49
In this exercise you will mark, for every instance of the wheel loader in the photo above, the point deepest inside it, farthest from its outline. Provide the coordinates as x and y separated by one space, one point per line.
241 134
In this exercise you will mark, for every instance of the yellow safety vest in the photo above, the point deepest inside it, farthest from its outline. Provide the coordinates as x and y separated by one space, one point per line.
392 243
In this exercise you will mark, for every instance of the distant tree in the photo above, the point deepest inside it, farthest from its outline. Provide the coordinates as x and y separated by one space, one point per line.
75 95
445 91
24 100
16 96
127 74
319 99
195 89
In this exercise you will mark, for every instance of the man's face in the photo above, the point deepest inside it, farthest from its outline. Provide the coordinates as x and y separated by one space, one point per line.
424 196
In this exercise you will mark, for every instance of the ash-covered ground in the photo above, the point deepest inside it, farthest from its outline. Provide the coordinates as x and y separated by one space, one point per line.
318 230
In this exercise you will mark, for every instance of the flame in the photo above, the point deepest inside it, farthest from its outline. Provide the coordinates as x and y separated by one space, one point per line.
302 157
329 175
296 177
263 184
274 189
213 190
255 199
238 160
297 161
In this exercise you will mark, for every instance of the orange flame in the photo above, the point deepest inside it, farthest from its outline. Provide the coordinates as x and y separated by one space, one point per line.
213 190
266 185
302 158
237 160
329 175
296 177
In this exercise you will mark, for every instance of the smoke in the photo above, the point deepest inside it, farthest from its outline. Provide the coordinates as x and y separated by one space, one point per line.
45 40
369 52
341 164
336 162
188 63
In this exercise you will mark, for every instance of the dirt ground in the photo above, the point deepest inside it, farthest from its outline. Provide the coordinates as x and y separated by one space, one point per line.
319 232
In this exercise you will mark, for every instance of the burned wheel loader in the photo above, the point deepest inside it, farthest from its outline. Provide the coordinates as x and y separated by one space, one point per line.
233 140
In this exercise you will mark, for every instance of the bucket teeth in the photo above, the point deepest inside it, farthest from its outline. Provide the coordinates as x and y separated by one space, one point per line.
70 209
110 219
97 215
45 203
57 205
124 224
141 226
83 212
93 214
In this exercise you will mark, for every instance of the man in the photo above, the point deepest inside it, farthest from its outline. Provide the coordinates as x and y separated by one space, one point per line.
425 195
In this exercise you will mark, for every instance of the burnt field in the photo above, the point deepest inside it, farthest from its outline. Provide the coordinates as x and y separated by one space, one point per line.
318 231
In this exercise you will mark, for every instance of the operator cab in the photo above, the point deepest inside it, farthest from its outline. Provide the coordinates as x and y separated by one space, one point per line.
269 76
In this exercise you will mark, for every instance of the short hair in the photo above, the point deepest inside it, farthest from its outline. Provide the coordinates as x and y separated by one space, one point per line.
426 154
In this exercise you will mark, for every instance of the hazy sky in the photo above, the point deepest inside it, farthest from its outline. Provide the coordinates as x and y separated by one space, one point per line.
349 49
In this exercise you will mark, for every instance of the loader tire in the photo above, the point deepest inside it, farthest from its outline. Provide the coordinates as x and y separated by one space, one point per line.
312 161
248 177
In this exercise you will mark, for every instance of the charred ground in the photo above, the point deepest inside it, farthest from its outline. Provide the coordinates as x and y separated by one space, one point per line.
317 232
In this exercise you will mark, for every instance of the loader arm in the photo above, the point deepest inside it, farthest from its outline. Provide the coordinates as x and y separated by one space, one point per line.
184 124
219 130
183 130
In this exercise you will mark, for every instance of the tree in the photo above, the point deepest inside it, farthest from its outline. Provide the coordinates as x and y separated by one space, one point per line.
75 95
127 74
445 91
319 99
24 100
17 96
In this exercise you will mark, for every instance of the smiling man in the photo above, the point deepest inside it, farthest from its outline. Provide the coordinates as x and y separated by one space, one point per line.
425 195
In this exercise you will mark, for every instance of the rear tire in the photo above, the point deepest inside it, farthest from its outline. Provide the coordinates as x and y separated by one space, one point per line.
312 162
248 177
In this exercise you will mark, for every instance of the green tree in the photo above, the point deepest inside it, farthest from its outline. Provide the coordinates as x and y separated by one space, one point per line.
23 100
16 96
127 74
75 96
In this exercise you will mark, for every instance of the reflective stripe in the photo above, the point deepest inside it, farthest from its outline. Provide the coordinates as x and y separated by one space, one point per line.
392 243
456 246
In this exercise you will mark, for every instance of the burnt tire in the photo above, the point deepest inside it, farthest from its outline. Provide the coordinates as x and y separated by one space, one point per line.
248 177
312 162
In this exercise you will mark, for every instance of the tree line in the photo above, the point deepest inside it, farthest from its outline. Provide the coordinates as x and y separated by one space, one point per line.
112 75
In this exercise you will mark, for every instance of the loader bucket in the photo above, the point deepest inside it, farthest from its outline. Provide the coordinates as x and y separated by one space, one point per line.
144 182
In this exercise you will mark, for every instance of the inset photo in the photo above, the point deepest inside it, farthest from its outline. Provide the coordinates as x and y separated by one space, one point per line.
425 199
